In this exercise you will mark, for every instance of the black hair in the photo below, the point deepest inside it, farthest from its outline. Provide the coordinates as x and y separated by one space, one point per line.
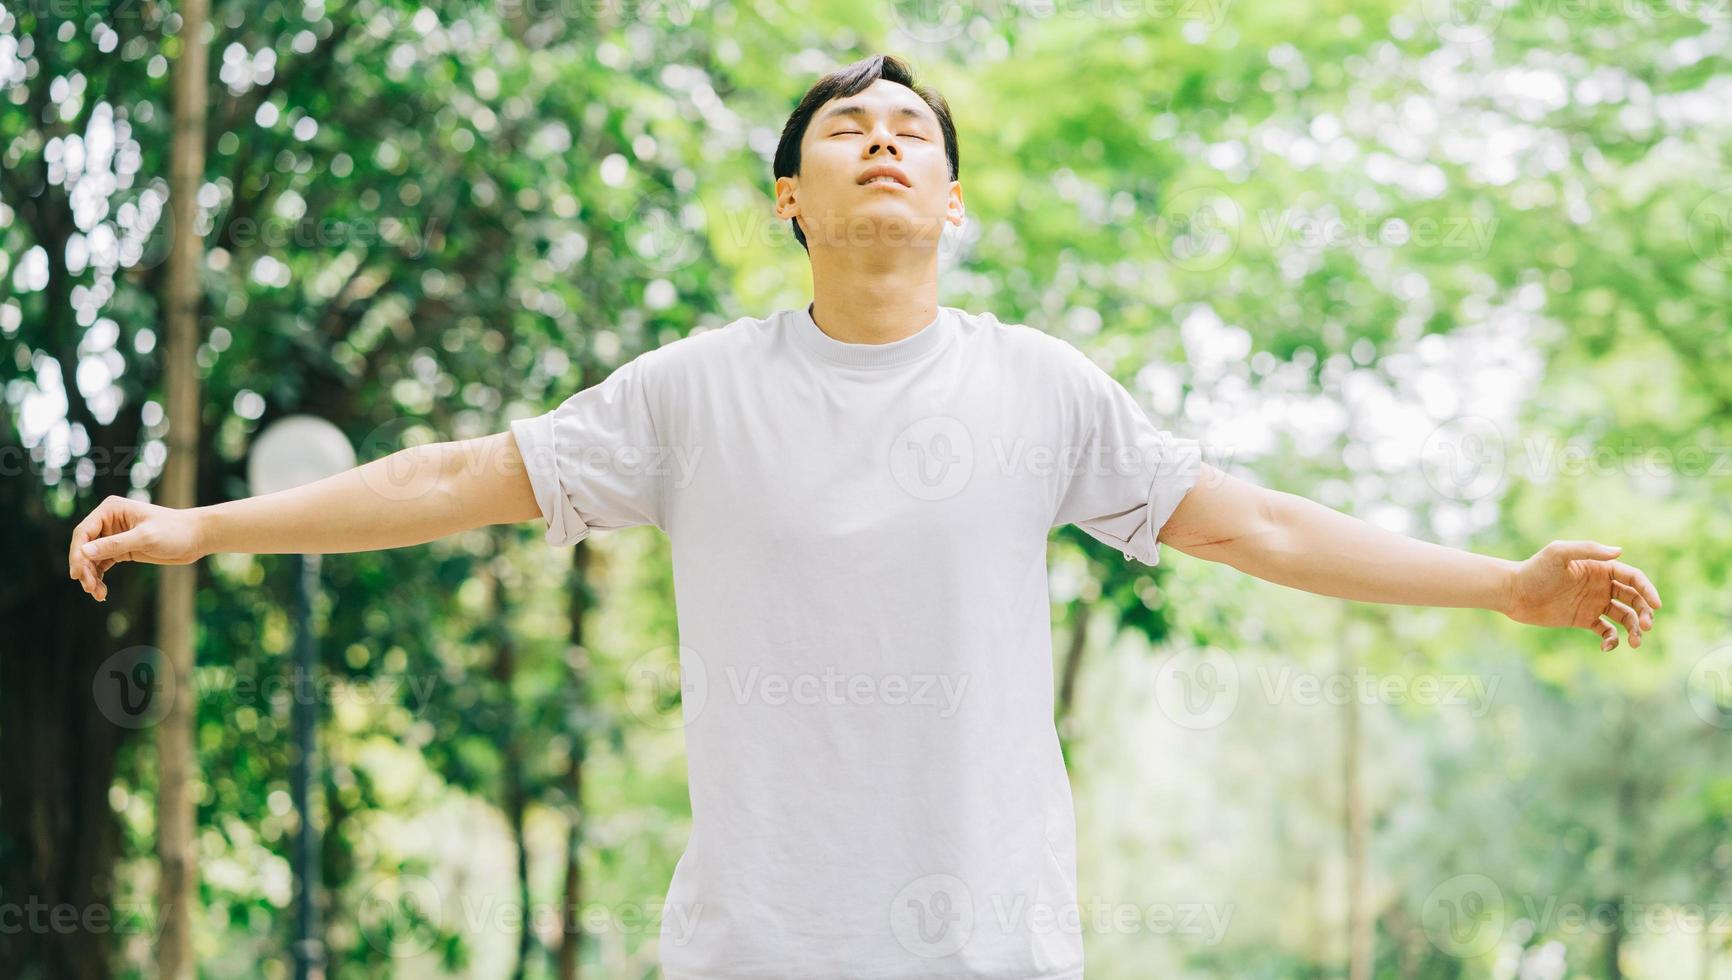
852 80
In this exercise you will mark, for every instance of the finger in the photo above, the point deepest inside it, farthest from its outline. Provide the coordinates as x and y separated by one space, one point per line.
1570 550
1622 613
99 588
91 528
1635 600
1608 635
76 566
99 569
116 546
1636 577
86 572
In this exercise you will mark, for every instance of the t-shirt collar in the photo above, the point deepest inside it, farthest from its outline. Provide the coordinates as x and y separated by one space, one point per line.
915 345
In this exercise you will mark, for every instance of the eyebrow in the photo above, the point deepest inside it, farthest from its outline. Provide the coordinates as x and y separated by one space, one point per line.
859 111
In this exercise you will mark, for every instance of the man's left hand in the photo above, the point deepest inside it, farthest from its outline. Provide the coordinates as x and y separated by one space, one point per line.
1581 584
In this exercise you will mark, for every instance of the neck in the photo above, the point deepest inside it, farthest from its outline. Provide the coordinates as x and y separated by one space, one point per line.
873 296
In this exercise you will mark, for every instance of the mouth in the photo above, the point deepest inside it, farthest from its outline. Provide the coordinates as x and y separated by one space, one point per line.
883 176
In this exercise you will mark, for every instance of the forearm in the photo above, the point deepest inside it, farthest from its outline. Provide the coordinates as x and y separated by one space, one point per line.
1306 545
406 498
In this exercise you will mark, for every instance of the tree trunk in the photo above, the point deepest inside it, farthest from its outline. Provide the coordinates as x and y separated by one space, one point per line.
571 941
58 835
571 931
177 761
336 866
1624 861
1074 651
515 791
1359 938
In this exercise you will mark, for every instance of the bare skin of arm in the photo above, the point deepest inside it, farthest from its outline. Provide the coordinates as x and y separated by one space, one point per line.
1292 541
410 497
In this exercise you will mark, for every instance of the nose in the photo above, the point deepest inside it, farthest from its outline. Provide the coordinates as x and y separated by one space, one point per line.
882 141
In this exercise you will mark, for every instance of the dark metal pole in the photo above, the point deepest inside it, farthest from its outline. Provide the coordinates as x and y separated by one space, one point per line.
309 948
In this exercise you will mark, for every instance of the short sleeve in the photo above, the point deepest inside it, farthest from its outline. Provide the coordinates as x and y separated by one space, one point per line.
1127 476
595 462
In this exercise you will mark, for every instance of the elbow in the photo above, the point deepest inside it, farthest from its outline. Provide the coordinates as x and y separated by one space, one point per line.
453 491
1265 540
1231 521
426 479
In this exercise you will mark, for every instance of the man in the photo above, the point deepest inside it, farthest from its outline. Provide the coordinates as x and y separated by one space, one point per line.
858 495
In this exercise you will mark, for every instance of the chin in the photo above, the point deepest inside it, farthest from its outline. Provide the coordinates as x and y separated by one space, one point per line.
904 227
893 221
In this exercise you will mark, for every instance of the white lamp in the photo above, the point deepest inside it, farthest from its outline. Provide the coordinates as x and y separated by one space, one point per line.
297 450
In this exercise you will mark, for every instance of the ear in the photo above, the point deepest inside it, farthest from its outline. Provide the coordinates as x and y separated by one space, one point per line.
954 212
787 206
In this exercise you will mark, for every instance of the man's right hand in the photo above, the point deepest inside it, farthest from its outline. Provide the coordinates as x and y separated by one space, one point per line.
123 529
410 497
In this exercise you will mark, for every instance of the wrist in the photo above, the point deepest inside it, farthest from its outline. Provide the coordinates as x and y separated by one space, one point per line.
204 531
1503 591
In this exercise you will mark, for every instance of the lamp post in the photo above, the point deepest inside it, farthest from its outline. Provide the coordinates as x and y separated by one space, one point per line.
296 450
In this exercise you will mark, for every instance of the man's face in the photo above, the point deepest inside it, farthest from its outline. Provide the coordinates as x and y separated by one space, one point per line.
884 126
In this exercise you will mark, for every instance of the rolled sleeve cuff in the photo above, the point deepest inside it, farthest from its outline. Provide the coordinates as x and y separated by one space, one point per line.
1176 476
535 443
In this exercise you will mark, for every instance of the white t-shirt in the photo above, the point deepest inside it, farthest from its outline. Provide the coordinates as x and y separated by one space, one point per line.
859 539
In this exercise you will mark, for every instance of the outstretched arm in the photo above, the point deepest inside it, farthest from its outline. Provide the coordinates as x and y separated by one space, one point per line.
410 497
1296 542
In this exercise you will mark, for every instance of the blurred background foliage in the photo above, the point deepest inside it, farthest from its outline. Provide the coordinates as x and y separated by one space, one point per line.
1458 267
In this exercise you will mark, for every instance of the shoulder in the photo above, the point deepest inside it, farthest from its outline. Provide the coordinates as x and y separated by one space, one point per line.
1028 351
707 349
